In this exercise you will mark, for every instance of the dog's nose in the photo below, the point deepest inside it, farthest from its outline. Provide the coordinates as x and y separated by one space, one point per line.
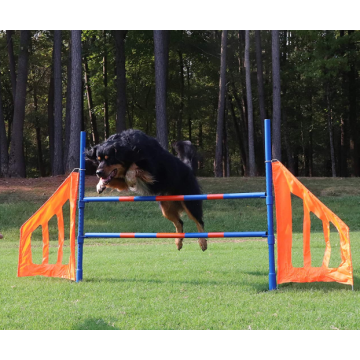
100 173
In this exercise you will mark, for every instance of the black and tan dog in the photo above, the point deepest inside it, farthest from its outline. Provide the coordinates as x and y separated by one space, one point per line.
134 161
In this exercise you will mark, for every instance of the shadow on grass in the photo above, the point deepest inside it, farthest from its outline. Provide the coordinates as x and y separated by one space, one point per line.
94 324
257 287
324 286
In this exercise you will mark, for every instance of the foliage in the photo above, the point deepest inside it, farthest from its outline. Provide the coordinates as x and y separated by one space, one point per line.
314 64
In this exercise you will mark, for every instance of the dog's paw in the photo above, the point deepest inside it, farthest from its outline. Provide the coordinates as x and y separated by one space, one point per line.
179 243
203 244
130 178
100 187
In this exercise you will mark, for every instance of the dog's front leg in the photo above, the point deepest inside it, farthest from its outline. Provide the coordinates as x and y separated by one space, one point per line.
100 187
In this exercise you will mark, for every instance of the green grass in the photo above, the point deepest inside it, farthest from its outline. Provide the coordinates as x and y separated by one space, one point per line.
148 284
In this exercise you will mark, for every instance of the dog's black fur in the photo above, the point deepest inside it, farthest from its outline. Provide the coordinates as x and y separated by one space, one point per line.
187 153
132 160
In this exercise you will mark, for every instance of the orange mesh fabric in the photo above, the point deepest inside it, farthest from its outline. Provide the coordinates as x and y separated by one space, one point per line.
67 191
285 184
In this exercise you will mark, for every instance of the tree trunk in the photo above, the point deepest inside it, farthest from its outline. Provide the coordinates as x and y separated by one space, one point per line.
260 84
106 101
10 48
354 128
181 106
343 148
289 153
4 157
161 50
251 137
38 136
240 138
189 102
344 129
276 120
58 166
51 120
76 95
92 116
331 136
120 80
242 102
242 124
68 109
226 157
39 149
17 161
221 107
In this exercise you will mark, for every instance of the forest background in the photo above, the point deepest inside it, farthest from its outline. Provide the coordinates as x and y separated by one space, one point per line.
211 87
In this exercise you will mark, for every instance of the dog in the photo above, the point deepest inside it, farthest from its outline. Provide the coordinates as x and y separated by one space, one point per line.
186 152
135 161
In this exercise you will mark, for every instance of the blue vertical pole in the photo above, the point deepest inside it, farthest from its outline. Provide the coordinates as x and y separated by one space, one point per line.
269 205
80 239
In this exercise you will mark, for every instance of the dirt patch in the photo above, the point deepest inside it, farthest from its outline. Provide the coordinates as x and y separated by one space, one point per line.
29 189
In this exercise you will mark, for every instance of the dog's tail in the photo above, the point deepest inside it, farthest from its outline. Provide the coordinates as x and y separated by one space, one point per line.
187 153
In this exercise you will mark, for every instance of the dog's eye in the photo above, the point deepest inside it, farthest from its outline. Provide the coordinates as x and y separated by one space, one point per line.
99 158
106 157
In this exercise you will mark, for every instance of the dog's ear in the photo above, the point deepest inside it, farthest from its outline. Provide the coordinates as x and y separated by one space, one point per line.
90 154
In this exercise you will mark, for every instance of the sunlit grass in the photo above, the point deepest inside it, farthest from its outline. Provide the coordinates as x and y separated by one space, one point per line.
148 284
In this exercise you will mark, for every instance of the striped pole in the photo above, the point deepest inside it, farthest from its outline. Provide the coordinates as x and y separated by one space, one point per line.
178 197
177 235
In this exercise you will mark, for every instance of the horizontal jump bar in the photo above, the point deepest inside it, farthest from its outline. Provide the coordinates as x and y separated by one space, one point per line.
177 235
178 197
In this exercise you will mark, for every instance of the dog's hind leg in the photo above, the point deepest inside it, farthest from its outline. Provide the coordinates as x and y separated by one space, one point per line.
193 210
171 210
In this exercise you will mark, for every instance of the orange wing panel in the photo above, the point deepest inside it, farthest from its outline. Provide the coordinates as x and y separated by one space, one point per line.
285 184
67 191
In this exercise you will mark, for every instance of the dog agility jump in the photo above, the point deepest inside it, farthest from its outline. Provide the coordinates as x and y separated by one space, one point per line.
276 174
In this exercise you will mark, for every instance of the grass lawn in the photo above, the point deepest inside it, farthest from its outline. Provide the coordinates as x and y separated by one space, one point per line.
148 284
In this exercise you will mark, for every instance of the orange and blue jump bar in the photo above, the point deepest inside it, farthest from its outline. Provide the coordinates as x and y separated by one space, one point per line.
177 197
177 235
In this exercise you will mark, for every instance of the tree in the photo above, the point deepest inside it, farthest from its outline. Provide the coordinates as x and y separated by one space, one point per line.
251 138
50 113
106 97
76 101
4 157
181 105
92 116
260 82
276 120
353 122
12 66
17 161
221 108
10 48
120 80
161 50
68 109
57 168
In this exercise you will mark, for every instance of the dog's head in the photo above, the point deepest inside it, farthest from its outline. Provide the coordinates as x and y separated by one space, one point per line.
111 159
186 152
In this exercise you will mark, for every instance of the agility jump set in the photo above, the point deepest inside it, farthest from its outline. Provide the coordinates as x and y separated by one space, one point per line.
284 183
